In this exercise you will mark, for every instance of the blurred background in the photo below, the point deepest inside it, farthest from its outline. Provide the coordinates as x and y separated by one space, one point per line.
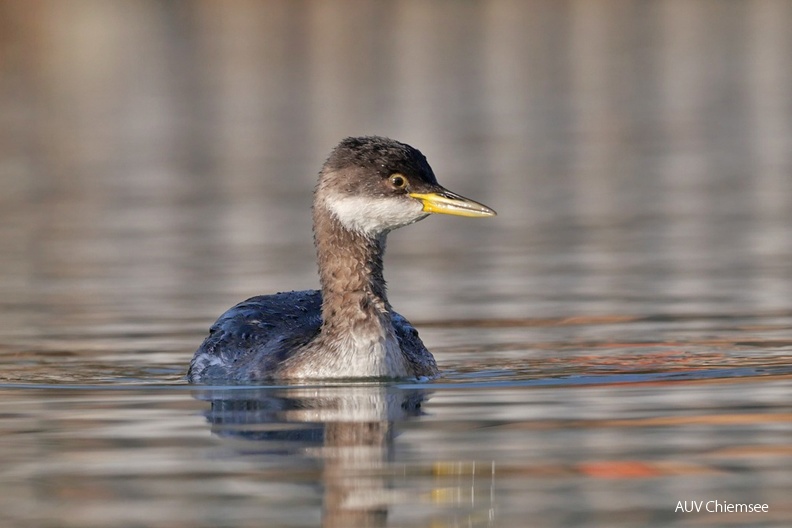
616 340
158 154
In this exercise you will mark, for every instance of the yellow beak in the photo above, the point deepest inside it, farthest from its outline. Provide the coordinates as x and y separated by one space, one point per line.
446 202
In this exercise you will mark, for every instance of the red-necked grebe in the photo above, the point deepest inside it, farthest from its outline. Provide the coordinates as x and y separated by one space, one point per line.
367 187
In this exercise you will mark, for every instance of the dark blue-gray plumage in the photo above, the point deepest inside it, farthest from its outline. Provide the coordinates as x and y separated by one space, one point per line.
251 339
368 187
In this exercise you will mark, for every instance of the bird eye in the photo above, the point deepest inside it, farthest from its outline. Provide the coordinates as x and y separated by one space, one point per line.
398 181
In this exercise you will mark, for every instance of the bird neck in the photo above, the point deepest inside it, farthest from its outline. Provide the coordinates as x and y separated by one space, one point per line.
357 336
350 272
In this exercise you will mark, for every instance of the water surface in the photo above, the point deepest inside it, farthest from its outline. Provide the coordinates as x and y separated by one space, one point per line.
617 340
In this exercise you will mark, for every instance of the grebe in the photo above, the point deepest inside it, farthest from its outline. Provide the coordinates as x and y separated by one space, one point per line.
368 187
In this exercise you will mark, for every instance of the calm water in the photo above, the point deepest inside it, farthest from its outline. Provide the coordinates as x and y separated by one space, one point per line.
617 340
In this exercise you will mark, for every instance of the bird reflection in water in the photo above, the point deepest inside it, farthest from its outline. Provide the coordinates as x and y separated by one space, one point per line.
349 430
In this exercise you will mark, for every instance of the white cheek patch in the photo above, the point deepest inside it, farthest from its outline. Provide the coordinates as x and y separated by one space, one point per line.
374 216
